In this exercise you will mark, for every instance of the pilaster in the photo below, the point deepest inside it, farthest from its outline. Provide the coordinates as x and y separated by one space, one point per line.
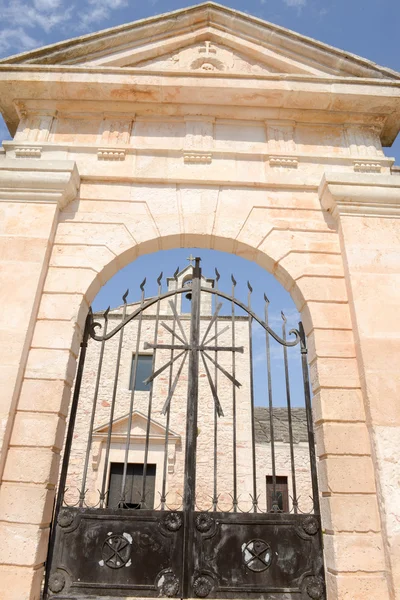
366 208
32 192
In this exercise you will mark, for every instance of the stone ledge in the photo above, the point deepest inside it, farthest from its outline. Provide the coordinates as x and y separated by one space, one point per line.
44 181
363 194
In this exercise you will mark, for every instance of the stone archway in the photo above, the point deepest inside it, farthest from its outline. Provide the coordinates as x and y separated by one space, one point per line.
277 158
305 256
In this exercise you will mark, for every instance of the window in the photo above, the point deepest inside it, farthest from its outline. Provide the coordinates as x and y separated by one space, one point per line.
282 493
144 370
133 485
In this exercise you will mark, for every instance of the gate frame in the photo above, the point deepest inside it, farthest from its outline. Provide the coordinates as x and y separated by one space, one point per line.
193 580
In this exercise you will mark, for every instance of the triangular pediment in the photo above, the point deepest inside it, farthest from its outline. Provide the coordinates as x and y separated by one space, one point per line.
205 38
138 429
208 56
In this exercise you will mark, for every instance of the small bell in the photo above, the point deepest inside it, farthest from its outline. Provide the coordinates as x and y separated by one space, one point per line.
188 283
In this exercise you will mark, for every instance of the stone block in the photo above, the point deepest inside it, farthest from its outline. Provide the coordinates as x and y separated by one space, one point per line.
69 307
22 544
61 335
354 552
105 190
11 345
72 280
17 583
346 475
44 395
382 377
32 465
350 513
26 503
22 248
51 364
325 315
335 404
13 295
334 372
342 439
38 429
278 243
113 236
337 343
319 289
28 219
83 256
360 586
297 265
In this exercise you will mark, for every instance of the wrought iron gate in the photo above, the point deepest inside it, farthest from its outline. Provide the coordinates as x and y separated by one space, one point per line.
201 515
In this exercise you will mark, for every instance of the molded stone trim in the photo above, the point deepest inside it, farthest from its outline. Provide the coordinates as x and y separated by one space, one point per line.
45 181
201 158
111 154
366 166
360 194
28 152
289 162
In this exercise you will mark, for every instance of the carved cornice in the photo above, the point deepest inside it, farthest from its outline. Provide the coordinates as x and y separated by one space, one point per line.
41 181
360 194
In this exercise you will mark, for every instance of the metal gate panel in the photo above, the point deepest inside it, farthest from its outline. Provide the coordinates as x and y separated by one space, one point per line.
107 552
232 534
272 556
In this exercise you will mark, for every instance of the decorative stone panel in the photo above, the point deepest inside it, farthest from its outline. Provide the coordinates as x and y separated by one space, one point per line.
115 130
280 135
199 140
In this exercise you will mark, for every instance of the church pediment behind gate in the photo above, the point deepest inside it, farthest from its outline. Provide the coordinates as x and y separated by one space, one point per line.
138 430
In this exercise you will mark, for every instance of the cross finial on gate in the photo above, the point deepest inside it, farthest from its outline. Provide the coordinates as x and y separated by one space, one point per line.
191 259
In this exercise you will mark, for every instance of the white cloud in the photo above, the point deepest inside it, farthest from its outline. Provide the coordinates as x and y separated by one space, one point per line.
97 11
26 15
295 3
16 40
47 5
21 20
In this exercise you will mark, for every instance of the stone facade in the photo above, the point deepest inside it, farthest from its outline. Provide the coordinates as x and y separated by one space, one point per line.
269 148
